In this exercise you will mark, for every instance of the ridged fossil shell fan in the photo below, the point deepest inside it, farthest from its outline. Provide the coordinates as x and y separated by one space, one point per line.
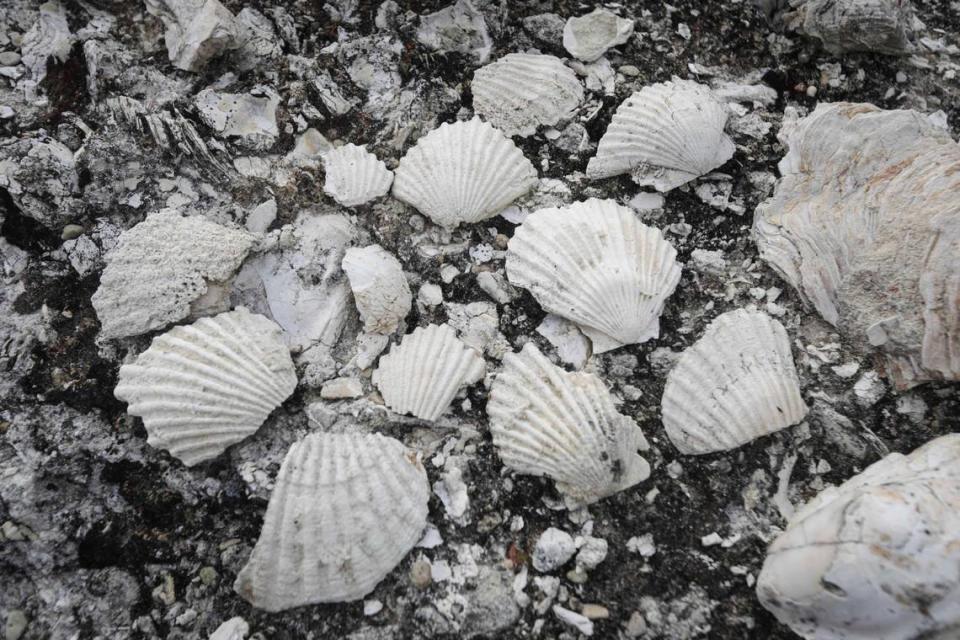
463 173
549 422
665 135
203 387
594 263
423 373
354 176
345 510
735 384
379 287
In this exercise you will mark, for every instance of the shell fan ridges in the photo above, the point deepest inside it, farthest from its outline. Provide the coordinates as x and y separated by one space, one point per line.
354 176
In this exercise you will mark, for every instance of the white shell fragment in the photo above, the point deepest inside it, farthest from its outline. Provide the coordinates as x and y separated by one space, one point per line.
735 384
594 263
379 287
665 135
522 91
423 373
875 558
345 510
463 173
589 36
203 387
354 176
196 30
864 224
549 422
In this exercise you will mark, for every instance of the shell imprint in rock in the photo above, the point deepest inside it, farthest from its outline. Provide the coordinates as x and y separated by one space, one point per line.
423 373
865 224
463 173
345 510
875 558
522 91
735 384
379 287
203 387
354 176
549 422
594 263
665 135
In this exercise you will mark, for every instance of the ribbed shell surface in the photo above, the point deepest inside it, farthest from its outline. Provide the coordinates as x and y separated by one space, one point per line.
354 176
379 287
735 384
594 263
549 422
203 387
463 173
345 510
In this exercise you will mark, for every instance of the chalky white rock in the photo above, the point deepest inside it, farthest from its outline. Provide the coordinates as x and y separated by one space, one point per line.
588 37
354 176
379 287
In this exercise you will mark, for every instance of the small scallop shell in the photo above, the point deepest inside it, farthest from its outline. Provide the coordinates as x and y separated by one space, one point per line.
463 173
523 91
203 387
735 384
355 176
549 422
665 135
594 263
345 511
422 374
379 287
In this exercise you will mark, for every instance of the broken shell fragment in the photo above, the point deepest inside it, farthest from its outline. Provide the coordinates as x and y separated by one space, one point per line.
196 30
379 287
423 373
354 176
880 26
203 387
735 384
345 510
549 422
589 36
594 263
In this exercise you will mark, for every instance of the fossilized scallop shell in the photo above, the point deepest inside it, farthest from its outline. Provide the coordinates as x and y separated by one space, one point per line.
594 263
423 373
463 173
665 135
522 91
345 510
354 176
379 287
735 384
549 422
203 387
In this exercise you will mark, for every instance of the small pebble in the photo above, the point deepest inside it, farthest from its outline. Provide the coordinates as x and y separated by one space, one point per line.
9 59
71 231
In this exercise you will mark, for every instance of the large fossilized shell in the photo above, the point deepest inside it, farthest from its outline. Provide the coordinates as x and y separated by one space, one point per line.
345 510
665 135
875 558
522 91
588 37
594 263
881 26
462 173
354 176
203 387
865 224
735 384
549 422
379 287
422 374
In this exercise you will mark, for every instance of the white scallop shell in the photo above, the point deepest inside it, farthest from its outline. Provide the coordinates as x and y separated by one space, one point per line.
463 173
423 373
594 263
354 176
522 91
735 384
379 287
549 422
203 387
345 511
665 135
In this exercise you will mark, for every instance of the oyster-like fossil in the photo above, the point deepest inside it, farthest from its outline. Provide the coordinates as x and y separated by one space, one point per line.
462 173
665 135
735 384
354 176
522 91
345 510
549 422
423 373
379 287
594 263
875 558
864 223
589 36
203 387
880 26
